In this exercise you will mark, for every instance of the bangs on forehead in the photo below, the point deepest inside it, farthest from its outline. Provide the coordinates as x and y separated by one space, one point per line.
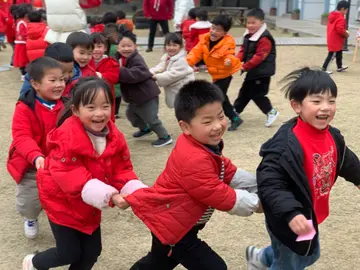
90 94
321 85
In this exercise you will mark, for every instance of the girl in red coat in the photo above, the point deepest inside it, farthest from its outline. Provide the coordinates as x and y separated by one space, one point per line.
107 68
336 35
35 115
185 28
87 168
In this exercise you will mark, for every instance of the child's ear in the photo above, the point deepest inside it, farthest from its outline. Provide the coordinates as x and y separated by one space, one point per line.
296 105
74 110
34 84
184 127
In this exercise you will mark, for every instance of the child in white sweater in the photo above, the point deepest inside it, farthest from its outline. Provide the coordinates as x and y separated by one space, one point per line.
173 71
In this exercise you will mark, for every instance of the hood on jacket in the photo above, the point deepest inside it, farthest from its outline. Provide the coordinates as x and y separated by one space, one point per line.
201 25
335 15
35 30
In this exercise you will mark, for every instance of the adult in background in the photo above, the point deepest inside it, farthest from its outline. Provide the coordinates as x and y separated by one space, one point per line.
65 17
158 12
182 8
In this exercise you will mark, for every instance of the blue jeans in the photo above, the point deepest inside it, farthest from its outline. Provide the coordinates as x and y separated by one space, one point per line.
280 257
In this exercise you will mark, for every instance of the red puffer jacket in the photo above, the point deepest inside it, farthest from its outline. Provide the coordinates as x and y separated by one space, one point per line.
184 190
158 9
71 163
3 17
31 123
35 44
336 31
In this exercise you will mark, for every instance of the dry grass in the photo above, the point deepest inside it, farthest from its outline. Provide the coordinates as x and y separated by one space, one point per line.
126 239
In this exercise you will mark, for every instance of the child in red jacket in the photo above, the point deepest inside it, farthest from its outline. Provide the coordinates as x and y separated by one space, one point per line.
336 35
185 28
35 115
96 24
197 180
87 168
202 26
107 67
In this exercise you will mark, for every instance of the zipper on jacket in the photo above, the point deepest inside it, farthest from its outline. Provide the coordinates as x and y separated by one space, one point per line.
343 158
12 152
308 250
170 251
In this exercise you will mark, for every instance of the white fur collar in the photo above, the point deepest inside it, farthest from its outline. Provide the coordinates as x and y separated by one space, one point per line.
201 25
181 54
256 35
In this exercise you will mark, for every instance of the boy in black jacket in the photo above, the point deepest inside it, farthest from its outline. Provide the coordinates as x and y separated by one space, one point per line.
140 91
299 167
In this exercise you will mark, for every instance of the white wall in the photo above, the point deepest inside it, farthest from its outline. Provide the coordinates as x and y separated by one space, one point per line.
266 5
282 7
312 9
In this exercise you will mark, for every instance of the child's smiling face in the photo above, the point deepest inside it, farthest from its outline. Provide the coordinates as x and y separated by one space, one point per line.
253 24
216 32
126 47
82 55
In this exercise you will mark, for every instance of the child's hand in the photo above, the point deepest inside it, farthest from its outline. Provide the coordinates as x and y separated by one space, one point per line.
300 225
119 201
154 78
227 62
39 163
260 209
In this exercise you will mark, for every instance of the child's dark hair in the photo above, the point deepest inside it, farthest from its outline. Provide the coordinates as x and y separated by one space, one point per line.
21 11
81 39
257 13
109 17
37 68
84 92
120 14
61 52
343 5
127 34
201 14
305 81
194 95
174 38
192 13
13 10
35 16
95 20
224 21
43 14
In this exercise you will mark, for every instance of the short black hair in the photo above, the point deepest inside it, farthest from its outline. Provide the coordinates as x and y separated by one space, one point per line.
224 21
201 14
193 96
34 16
95 20
174 38
43 14
22 10
99 38
257 13
343 5
61 52
192 13
127 34
109 17
81 39
306 81
120 14
39 66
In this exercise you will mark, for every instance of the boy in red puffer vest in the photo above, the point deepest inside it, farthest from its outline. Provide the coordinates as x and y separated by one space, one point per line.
37 30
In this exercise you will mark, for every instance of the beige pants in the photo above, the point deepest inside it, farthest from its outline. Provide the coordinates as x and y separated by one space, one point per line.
27 197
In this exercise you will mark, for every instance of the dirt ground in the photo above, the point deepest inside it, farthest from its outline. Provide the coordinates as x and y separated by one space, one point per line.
126 239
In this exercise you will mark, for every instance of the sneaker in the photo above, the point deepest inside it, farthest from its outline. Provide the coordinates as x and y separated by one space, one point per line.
253 258
162 142
272 116
342 68
329 72
22 78
31 228
27 262
141 133
149 50
235 124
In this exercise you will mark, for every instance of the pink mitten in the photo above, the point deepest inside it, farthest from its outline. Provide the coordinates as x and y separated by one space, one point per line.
132 186
97 194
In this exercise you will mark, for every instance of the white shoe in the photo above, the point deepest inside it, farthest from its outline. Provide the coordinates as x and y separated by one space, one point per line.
23 78
253 258
329 72
31 228
27 262
342 68
272 116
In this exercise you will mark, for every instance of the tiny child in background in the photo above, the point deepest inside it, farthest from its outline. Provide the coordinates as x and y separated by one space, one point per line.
217 49
109 17
121 19
35 116
173 71
82 177
96 24
258 54
185 29
197 180
140 90
299 166
107 67
200 27
336 35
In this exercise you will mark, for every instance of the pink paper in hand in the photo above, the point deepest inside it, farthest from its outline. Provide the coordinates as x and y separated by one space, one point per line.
308 236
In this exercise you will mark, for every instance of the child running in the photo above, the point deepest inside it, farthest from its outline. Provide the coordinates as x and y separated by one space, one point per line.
299 167
140 91
87 168
35 116
217 49
173 71
197 180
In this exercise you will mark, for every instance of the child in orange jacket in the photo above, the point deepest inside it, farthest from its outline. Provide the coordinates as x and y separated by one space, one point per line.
217 49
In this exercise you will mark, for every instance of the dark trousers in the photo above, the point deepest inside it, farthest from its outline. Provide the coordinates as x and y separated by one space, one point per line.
117 105
153 26
74 248
22 70
339 56
224 84
255 90
190 252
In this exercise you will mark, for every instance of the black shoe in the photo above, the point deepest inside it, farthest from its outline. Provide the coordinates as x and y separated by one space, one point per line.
342 68
149 50
235 124
141 133
162 142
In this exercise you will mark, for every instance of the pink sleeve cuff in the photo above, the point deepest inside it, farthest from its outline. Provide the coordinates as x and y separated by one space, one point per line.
132 186
97 194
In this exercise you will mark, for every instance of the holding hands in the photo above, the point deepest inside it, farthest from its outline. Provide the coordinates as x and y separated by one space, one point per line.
118 200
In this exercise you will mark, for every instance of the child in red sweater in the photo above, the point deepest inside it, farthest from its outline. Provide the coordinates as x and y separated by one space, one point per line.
35 115
96 24
185 28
